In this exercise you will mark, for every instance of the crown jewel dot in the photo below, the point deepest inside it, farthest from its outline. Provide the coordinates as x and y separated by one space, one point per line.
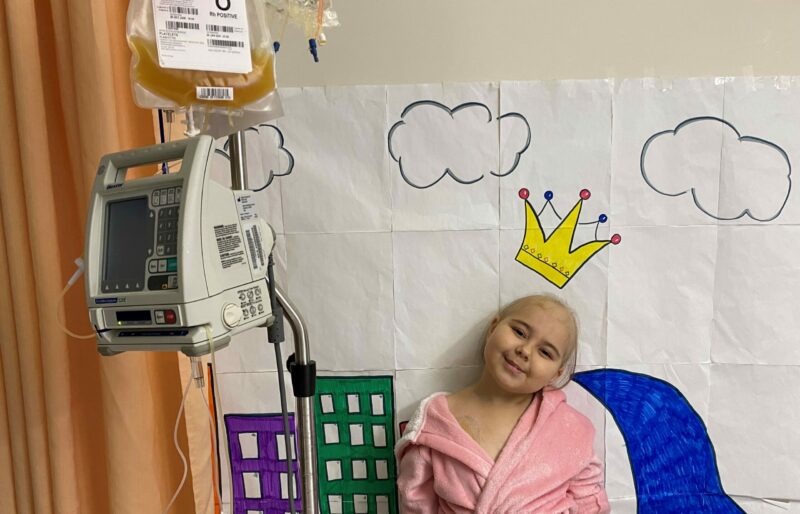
603 218
548 195
585 194
615 239
524 193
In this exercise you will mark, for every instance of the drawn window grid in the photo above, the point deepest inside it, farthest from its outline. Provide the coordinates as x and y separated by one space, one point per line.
382 503
331 433
361 503
280 442
382 469
284 477
376 412
377 404
333 470
327 404
252 485
353 402
357 436
249 445
379 436
358 469
335 505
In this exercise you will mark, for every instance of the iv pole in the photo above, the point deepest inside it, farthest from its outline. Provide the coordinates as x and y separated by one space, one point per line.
300 366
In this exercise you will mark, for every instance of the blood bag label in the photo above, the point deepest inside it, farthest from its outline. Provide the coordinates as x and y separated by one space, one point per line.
208 35
229 244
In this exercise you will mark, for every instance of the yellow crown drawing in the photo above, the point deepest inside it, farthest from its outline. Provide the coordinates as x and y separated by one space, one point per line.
552 256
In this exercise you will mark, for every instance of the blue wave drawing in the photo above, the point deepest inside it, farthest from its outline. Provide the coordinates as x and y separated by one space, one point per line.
672 459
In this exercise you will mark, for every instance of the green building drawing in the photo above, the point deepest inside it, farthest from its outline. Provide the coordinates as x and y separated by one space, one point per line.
354 419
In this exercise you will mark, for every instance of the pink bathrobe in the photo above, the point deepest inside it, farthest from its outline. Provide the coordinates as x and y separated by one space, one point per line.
547 466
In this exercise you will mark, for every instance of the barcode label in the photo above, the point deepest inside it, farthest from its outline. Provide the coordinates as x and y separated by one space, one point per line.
254 261
220 28
175 25
184 10
259 245
214 93
204 35
225 43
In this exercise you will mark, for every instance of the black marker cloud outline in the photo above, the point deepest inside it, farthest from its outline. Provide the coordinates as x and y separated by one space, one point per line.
272 173
451 112
741 138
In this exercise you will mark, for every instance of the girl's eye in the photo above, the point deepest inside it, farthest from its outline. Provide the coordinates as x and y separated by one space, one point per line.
546 354
518 331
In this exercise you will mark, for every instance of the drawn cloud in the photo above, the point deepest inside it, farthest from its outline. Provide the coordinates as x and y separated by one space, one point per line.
275 159
432 141
728 175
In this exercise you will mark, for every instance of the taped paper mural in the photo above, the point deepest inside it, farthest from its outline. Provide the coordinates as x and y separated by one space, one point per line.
398 255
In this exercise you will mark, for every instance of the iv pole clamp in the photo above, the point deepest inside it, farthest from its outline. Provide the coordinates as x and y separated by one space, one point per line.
301 367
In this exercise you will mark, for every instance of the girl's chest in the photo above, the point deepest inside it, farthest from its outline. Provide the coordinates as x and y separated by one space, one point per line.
491 432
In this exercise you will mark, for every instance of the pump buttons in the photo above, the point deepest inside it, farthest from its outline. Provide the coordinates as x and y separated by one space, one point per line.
231 315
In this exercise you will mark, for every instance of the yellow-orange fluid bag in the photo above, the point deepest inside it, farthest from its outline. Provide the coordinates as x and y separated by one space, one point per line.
202 55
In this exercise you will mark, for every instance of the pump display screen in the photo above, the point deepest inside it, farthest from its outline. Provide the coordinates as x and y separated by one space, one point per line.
129 240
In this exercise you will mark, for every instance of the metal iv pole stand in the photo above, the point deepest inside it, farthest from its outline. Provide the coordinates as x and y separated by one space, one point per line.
302 358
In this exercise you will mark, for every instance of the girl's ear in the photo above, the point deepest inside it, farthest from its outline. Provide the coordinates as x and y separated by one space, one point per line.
558 375
492 326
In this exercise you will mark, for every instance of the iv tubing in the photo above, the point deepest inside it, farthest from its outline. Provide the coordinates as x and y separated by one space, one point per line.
219 409
213 427
74 278
178 446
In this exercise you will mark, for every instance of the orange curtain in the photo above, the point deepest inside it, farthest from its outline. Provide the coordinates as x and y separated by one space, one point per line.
79 433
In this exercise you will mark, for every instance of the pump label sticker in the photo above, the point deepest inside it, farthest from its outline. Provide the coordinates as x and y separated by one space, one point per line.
246 205
229 244
255 245
208 35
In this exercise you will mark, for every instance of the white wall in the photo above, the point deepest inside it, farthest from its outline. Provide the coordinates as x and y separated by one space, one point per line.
419 41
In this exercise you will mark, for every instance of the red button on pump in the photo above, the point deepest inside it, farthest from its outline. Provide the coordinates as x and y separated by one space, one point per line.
169 316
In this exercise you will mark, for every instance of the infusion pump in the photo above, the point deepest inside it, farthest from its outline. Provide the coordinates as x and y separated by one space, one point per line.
170 256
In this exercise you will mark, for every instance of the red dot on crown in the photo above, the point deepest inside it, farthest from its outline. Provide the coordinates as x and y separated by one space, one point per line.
585 194
615 239
524 193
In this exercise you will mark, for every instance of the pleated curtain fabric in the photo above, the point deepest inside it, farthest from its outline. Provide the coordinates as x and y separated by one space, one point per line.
79 433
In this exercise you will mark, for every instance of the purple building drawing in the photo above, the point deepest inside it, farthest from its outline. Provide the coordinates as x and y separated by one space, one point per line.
258 463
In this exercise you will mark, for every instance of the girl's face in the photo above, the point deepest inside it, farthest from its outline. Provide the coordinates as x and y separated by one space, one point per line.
525 350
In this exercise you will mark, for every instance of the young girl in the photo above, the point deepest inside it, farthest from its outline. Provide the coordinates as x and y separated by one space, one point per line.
509 443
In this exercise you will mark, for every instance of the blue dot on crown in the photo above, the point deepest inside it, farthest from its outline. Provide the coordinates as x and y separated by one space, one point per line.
603 218
548 195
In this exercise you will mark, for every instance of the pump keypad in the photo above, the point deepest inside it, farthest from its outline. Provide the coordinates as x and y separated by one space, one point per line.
167 231
163 266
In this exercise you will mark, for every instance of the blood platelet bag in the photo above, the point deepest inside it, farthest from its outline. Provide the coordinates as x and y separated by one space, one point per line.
207 54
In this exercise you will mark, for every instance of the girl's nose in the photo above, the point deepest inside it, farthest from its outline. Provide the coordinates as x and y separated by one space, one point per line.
521 352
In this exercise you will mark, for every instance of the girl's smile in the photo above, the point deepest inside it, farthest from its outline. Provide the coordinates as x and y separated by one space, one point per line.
514 368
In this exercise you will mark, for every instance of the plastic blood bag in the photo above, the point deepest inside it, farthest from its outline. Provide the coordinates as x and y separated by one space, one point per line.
211 55
183 88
